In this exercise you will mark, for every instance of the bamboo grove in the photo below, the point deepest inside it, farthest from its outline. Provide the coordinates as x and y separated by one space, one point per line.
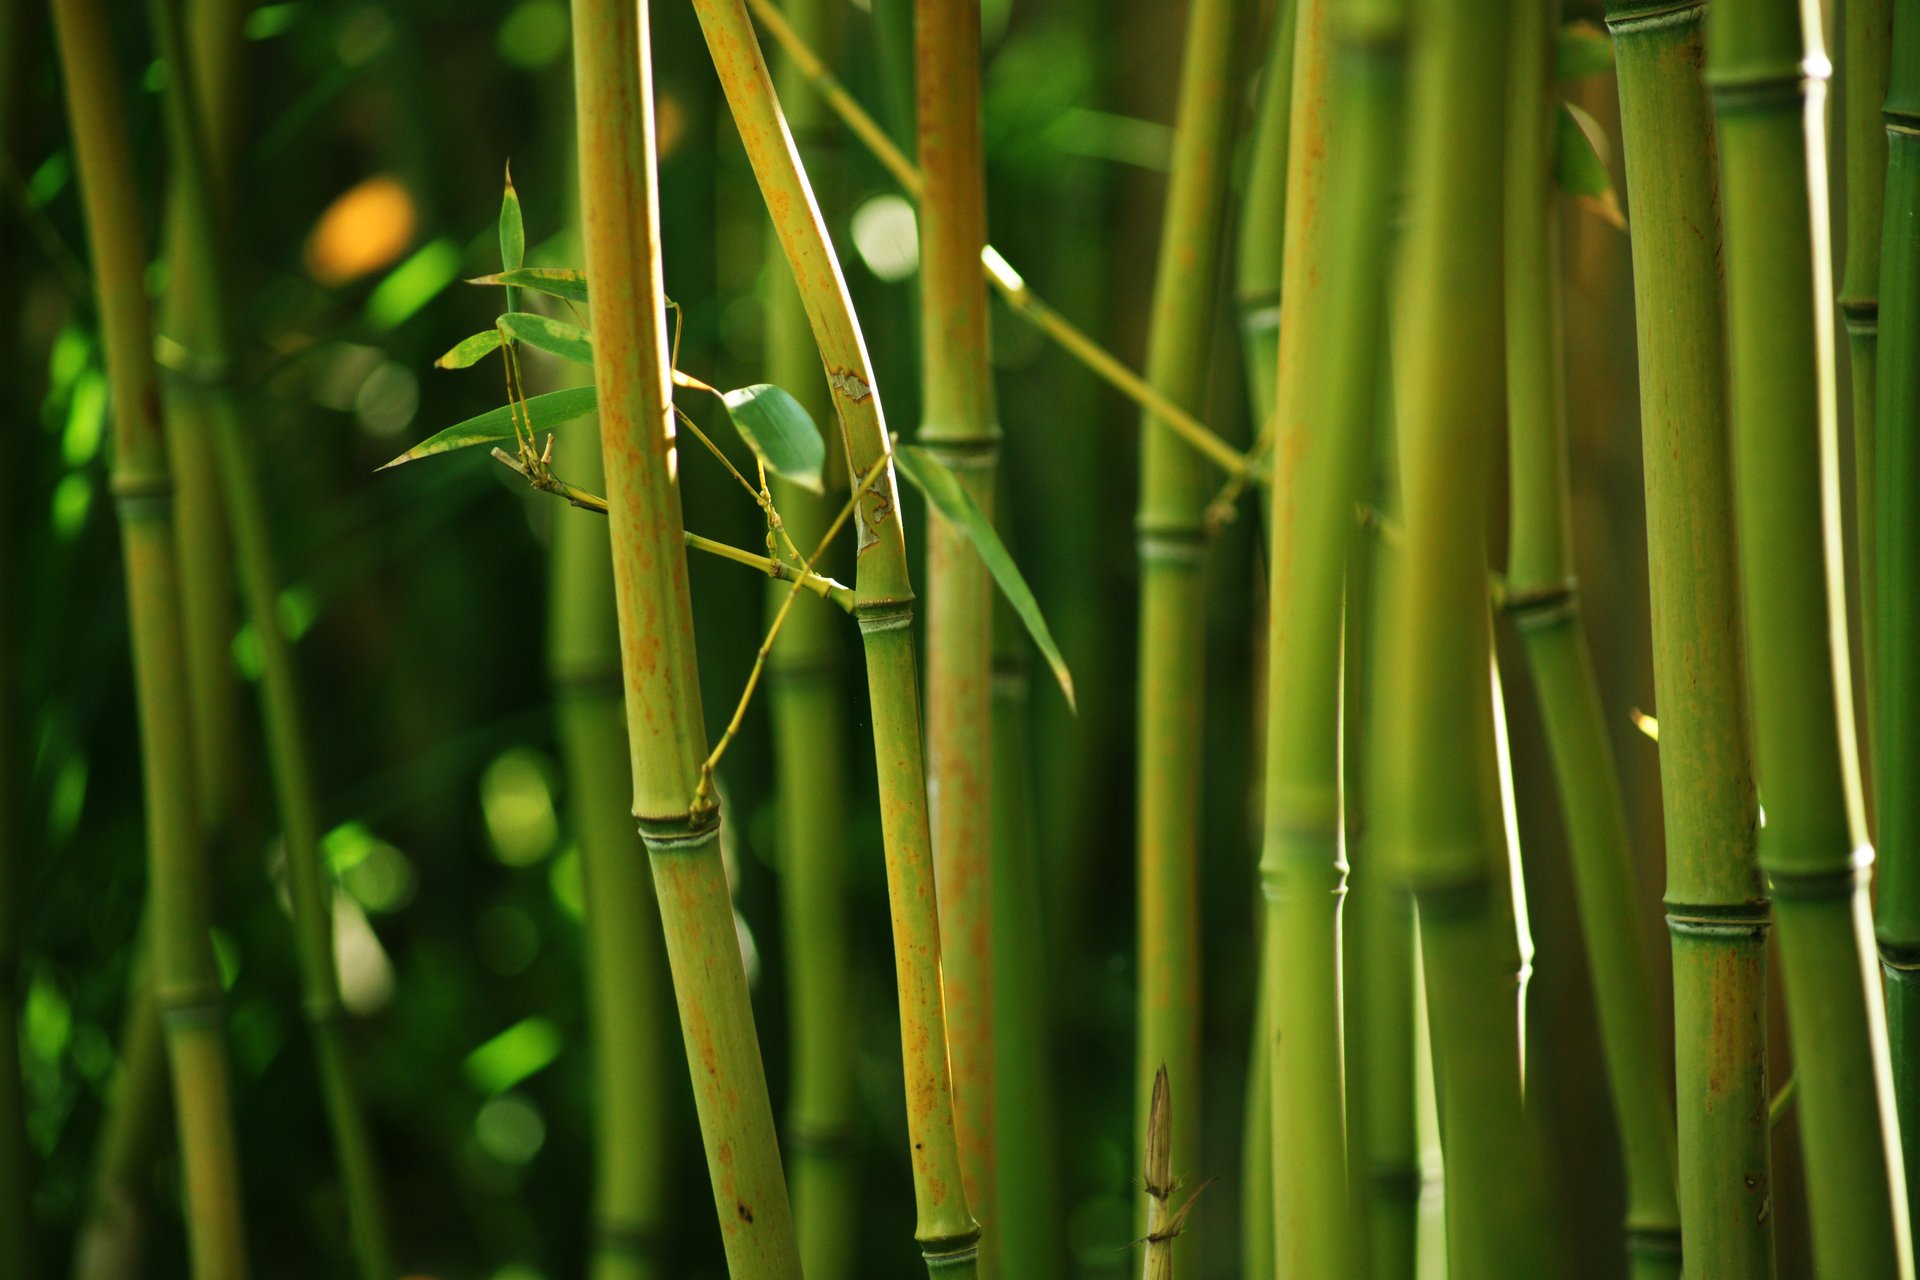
1243 638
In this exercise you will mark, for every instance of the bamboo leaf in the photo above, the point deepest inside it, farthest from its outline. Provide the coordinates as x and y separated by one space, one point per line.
1584 49
556 337
1580 166
513 231
932 478
568 283
784 435
470 351
543 412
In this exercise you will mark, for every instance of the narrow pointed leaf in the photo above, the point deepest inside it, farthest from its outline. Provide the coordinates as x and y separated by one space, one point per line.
556 337
950 498
1579 163
568 283
513 237
544 411
784 435
1583 49
470 351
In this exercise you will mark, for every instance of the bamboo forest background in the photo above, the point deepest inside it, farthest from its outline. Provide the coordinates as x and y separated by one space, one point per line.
365 145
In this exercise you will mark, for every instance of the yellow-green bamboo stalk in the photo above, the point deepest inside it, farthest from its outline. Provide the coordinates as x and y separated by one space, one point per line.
807 704
1542 599
613 86
1344 137
186 988
198 309
1717 913
959 427
946 1230
1898 693
112 1242
1767 68
1172 540
626 965
1437 800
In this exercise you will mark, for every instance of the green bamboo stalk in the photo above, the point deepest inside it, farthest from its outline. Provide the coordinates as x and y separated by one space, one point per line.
1766 68
946 1230
626 965
1341 183
197 308
807 704
1172 534
1898 623
111 1243
960 427
1717 912
186 987
1438 804
1867 42
1543 601
613 86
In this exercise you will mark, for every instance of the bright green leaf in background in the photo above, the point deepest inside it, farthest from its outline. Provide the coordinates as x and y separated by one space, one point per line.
527 1046
1584 49
543 412
950 498
1580 166
784 435
556 337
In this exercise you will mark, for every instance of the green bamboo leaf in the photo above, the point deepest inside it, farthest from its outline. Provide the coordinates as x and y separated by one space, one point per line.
544 412
1583 49
556 337
950 498
568 283
513 231
784 435
1579 163
470 351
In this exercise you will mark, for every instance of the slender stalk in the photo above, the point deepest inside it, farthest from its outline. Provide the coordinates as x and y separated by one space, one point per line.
1158 1166
1342 162
626 964
960 427
1767 71
186 988
198 308
1898 467
808 697
112 1243
1172 540
666 740
1866 47
946 1230
1438 803
1717 913
1542 599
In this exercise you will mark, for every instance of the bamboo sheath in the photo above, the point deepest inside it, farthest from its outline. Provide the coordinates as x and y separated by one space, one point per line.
1766 68
1437 801
946 1230
1172 537
1717 912
807 699
628 996
1542 599
666 739
186 989
198 309
1898 623
960 428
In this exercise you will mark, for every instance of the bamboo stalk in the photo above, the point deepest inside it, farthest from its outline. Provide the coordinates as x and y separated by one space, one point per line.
1867 41
197 307
1898 623
1542 599
613 84
1766 68
112 1242
960 427
1717 912
808 692
1438 802
1340 188
946 1230
1172 538
186 988
626 964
